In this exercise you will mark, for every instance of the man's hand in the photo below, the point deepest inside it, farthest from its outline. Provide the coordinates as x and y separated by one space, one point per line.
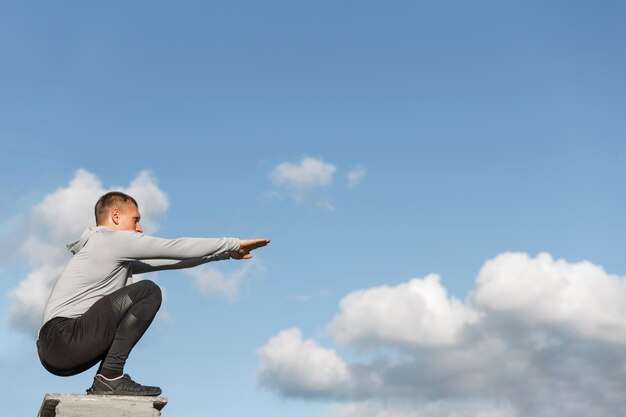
246 246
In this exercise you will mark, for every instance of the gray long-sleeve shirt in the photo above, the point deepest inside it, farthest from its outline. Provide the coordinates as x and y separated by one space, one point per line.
105 260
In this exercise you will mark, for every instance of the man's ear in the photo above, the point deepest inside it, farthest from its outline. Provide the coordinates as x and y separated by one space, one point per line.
115 216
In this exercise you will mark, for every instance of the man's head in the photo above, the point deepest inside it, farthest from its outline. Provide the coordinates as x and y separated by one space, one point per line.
118 211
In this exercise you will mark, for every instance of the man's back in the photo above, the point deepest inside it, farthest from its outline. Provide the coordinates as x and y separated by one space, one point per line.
92 273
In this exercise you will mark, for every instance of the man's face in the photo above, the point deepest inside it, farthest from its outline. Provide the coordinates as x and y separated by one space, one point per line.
129 218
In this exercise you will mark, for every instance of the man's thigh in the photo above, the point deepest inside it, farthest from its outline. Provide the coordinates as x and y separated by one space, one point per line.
75 345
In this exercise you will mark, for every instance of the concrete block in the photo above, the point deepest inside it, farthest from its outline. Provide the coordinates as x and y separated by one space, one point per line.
74 405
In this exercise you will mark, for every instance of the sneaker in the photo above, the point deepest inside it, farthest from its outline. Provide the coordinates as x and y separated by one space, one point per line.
120 386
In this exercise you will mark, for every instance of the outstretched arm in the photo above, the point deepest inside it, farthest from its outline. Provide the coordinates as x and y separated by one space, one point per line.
247 246
126 245
151 265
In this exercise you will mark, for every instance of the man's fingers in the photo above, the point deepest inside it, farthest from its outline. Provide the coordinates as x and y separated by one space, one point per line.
245 246
251 244
257 243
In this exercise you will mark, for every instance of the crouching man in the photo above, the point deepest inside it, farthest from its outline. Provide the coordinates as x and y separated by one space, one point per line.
96 314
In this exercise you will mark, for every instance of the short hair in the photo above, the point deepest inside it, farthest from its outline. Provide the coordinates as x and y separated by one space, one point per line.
111 200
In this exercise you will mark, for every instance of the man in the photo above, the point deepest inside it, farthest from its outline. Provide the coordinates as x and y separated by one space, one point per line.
96 313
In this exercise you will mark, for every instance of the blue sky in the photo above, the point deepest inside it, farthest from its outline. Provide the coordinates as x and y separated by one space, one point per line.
478 129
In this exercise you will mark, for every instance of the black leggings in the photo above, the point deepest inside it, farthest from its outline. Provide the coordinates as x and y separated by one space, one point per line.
106 332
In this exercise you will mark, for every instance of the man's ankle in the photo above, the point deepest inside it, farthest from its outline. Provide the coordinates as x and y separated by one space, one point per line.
110 375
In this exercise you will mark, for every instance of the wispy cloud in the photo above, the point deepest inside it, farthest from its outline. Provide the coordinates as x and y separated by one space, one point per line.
534 334
300 298
210 280
355 176
58 219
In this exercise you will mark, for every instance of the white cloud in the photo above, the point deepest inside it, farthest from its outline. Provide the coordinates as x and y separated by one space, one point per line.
210 280
153 202
293 365
576 297
306 180
309 181
355 176
29 297
538 337
418 313
309 173
61 218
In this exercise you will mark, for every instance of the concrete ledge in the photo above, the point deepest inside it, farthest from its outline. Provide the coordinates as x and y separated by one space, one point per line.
74 405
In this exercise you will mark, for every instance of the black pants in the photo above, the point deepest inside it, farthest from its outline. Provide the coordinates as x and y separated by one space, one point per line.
106 332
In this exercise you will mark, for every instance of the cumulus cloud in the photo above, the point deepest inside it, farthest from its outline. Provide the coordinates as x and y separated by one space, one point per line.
296 366
306 180
355 176
210 280
153 202
580 298
61 218
537 336
418 313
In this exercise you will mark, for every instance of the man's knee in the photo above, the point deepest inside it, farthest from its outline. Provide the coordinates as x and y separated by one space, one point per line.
149 290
